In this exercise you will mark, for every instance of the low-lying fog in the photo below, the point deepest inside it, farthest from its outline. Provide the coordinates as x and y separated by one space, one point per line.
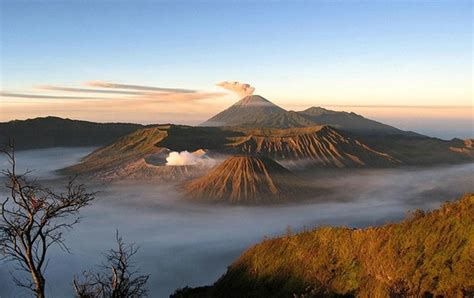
185 244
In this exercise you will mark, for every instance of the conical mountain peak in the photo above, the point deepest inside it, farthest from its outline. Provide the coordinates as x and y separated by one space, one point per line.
249 110
255 100
256 111
244 180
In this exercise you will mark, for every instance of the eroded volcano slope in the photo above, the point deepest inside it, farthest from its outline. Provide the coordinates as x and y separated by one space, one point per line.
245 180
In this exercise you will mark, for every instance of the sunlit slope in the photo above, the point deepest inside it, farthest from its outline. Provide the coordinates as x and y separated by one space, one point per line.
324 146
425 254
142 154
134 146
245 180
316 146
321 146
137 156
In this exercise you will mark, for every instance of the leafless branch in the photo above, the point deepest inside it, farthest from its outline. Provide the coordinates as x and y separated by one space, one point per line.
34 218
117 276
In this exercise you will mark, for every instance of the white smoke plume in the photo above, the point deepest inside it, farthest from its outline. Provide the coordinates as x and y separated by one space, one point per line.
185 158
240 88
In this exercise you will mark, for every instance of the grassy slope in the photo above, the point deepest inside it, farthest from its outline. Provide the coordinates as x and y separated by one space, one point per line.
146 141
426 253
133 146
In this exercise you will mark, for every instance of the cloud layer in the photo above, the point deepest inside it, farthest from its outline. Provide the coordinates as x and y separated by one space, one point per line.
40 96
240 89
136 87
108 91
88 90
110 102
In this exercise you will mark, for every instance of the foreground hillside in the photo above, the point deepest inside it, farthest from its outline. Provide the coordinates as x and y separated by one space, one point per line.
425 255
58 132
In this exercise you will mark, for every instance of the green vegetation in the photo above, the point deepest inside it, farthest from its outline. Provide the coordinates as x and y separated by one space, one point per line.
426 255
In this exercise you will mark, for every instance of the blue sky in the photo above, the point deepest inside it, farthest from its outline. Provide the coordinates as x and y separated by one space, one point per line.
296 53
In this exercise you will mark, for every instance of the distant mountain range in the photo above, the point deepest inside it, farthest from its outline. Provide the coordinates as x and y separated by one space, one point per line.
257 136
142 154
256 111
314 138
46 132
351 122
249 113
320 146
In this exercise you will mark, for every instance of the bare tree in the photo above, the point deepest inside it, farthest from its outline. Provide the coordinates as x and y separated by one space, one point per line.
117 277
34 218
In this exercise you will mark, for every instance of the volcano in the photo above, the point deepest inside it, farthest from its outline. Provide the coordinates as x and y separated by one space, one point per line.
256 111
245 180
316 146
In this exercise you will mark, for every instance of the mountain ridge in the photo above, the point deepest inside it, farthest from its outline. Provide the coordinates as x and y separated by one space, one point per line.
316 146
429 254
51 131
350 121
320 146
255 111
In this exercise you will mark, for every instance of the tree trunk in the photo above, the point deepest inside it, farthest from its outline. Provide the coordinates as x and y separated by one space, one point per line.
39 281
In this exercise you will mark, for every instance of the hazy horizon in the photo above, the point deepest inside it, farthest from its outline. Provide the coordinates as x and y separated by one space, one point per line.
430 126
